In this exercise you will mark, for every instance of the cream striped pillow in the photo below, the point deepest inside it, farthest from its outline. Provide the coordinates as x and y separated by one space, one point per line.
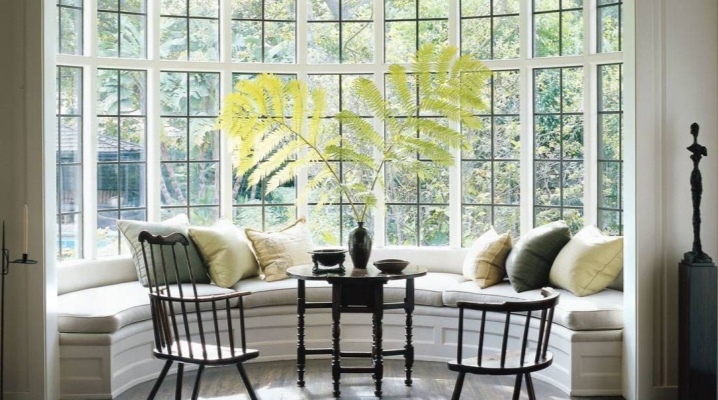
277 251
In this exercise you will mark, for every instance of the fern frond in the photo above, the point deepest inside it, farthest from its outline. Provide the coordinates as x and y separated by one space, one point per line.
398 83
361 127
319 106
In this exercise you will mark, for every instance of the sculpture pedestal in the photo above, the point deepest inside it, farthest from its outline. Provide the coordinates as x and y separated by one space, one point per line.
697 330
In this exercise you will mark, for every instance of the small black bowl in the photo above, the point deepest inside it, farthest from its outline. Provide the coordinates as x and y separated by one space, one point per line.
328 257
391 266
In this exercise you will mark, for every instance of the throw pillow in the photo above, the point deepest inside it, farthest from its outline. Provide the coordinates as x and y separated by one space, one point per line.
588 263
485 262
277 251
227 256
131 230
529 263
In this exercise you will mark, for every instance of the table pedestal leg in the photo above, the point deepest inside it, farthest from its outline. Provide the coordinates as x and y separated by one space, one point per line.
409 347
301 349
377 349
336 335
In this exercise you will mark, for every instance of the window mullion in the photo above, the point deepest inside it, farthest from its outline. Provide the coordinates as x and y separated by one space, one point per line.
226 159
455 189
154 121
301 71
526 169
89 161
590 144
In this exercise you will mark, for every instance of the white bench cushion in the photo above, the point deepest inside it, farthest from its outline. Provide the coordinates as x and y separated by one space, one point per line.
427 290
600 311
106 309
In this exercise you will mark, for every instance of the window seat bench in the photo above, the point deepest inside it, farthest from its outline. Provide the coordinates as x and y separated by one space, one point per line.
106 330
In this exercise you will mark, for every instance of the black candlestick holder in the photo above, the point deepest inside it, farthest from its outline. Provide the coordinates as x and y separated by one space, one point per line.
6 270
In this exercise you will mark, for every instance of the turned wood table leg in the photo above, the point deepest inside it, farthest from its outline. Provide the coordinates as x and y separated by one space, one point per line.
409 347
336 337
301 348
378 359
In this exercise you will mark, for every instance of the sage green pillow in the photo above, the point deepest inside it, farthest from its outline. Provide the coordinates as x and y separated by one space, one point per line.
131 231
588 263
530 260
227 256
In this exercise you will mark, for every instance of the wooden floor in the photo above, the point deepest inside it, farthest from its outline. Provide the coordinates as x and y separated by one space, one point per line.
277 381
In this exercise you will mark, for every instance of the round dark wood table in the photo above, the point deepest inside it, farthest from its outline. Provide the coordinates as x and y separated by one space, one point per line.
356 291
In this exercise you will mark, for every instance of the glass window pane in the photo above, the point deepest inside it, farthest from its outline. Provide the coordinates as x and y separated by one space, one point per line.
246 41
547 42
357 42
173 7
247 9
405 9
173 38
434 226
357 10
132 36
107 34
279 42
476 37
204 8
70 29
475 221
203 40
323 43
546 5
572 33
401 225
400 40
506 38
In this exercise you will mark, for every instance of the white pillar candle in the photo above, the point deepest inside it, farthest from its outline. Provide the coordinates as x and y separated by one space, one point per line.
25 231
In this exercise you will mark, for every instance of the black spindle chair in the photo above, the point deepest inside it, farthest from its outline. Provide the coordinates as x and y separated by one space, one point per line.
177 308
511 359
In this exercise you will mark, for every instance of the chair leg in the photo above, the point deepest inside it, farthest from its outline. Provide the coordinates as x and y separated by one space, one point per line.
530 387
195 391
517 387
459 386
245 379
160 378
180 374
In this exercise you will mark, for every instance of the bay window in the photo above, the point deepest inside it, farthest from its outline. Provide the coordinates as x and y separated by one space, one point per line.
140 84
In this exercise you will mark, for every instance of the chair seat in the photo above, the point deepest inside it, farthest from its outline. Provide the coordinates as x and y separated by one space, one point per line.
191 352
491 364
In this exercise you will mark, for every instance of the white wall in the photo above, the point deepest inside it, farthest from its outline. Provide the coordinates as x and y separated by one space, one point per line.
27 346
691 95
676 60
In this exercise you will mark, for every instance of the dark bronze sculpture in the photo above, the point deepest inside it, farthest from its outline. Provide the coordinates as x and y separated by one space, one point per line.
696 255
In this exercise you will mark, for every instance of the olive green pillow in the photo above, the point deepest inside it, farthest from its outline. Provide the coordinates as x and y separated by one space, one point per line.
277 251
588 263
226 254
529 262
131 230
485 262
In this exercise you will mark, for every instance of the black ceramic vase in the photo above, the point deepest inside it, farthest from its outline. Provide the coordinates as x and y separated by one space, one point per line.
360 246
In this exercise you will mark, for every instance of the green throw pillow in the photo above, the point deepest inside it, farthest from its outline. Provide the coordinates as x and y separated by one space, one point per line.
226 255
529 263
131 230
588 263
